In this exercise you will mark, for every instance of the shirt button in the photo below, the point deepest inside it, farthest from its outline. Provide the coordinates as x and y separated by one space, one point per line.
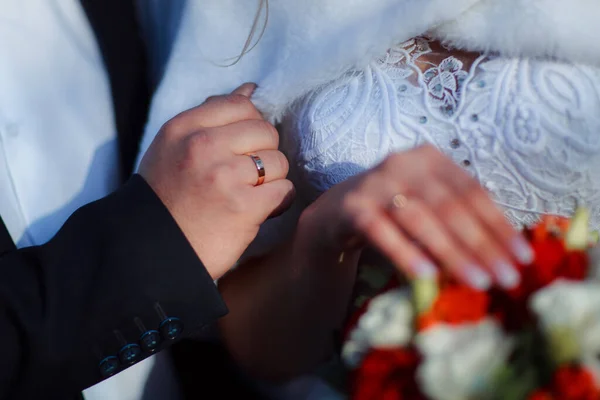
455 143
171 328
130 354
109 366
466 163
150 341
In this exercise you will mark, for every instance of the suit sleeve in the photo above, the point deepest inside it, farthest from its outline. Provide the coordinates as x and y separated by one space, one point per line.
116 284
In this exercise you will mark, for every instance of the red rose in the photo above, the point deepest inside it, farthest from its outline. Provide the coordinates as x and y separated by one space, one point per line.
574 383
575 266
552 261
540 395
550 254
456 305
387 375
571 382
510 308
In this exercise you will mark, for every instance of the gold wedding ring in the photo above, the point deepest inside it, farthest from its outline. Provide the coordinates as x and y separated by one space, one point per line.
260 168
399 201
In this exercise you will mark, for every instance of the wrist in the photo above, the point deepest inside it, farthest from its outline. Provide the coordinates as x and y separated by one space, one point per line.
323 234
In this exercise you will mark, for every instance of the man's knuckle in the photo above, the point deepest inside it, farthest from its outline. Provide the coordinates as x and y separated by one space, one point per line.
200 141
172 127
218 180
222 173
268 130
238 100
284 164
211 99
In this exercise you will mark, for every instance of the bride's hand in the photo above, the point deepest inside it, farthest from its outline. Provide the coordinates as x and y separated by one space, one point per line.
418 207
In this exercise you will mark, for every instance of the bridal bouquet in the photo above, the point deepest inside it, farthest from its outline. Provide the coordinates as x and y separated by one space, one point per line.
441 340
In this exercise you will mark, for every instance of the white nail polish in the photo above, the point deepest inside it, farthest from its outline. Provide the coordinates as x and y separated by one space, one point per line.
425 270
507 275
522 250
476 276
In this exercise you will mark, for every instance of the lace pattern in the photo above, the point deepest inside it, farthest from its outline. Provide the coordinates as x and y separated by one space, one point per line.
528 130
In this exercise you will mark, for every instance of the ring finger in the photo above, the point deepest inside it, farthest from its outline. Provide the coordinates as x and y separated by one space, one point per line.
383 233
471 231
272 163
420 223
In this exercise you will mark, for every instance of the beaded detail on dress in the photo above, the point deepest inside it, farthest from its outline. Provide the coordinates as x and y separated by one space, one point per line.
528 130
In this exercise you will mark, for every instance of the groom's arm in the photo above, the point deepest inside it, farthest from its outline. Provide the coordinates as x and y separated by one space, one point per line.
90 302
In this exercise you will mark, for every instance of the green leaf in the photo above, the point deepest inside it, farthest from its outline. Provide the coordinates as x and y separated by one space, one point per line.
578 235
519 378
373 276
425 291
562 345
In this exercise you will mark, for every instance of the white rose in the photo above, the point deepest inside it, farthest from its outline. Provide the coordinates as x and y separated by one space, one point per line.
460 362
569 313
387 323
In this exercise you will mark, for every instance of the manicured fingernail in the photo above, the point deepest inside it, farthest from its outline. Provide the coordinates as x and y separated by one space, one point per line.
425 270
507 275
522 250
477 277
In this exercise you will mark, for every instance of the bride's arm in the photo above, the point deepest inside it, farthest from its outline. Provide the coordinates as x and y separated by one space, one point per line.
285 307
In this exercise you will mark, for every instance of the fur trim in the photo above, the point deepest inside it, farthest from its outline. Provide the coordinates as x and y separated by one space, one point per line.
560 29
311 42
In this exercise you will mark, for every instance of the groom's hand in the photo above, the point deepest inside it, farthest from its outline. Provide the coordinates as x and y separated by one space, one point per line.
199 167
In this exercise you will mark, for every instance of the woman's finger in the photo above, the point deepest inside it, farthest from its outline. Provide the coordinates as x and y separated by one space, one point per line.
423 225
479 202
382 233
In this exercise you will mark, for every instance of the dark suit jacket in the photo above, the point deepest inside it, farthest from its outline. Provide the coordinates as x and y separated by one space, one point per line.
119 281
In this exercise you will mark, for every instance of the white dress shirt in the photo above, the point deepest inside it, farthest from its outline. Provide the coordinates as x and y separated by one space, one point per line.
58 140
58 148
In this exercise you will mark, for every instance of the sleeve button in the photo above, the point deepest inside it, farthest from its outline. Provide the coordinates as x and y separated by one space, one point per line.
109 366
130 354
150 341
171 328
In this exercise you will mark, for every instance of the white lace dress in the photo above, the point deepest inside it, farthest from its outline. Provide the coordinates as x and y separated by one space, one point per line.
528 130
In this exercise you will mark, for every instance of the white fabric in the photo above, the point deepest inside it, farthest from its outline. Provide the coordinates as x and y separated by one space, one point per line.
57 136
311 42
58 141
309 47
528 130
